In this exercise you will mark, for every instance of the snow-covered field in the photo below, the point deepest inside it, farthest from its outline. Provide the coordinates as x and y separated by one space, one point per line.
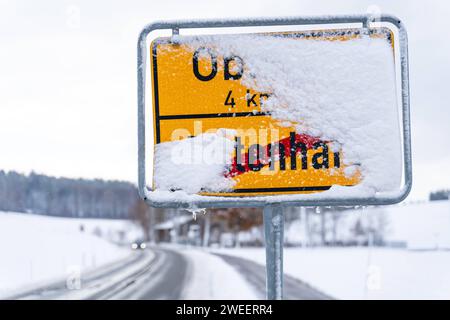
361 273
37 248
417 226
423 225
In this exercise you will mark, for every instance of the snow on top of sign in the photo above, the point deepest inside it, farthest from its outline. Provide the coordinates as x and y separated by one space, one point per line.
195 164
340 91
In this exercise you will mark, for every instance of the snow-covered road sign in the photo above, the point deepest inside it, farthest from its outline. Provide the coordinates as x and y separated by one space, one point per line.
305 111
197 89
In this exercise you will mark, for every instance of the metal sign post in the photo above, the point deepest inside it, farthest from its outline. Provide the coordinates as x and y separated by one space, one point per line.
274 236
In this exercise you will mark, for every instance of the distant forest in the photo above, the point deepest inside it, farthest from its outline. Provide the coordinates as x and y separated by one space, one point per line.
41 194
439 195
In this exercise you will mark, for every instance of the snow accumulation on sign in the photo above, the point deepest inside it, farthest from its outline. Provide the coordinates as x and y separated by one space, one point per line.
276 113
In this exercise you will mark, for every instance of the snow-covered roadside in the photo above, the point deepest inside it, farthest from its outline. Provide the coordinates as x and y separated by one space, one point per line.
361 273
209 277
35 249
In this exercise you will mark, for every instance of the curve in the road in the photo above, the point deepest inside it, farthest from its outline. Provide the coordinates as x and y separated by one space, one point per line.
157 273
171 276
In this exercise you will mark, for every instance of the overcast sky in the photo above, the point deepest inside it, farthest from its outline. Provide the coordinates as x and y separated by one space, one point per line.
68 79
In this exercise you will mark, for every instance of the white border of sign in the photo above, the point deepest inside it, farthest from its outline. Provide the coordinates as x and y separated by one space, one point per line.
236 202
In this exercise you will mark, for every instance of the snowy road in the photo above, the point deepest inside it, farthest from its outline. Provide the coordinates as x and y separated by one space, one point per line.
150 274
171 273
165 278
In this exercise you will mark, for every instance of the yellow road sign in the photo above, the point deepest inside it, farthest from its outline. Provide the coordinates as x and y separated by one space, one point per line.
195 90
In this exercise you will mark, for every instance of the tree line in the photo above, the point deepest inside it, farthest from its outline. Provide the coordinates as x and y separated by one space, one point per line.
440 195
83 198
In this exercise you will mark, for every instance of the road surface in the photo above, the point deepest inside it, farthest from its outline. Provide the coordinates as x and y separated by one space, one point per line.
157 273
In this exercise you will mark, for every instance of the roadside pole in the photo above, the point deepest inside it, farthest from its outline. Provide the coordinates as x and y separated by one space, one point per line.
273 235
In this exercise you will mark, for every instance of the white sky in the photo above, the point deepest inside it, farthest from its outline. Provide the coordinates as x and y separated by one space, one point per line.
68 79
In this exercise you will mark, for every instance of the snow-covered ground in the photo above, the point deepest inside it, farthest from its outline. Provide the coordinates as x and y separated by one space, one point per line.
211 278
36 249
419 270
361 273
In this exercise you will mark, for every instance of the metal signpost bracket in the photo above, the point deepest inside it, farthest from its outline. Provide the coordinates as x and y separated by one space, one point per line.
273 211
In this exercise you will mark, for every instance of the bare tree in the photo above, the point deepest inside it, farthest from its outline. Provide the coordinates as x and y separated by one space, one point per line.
140 213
